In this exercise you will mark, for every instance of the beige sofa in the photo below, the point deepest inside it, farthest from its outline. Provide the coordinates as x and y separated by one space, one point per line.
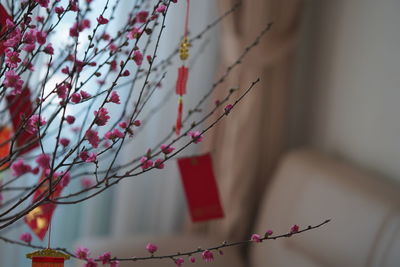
307 189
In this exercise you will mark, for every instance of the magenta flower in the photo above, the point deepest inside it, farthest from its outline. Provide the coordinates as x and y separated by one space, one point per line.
13 80
43 160
146 163
84 155
134 33
207 256
75 98
167 149
85 95
137 123
29 48
49 49
123 124
269 233
65 70
70 119
101 117
159 164
12 59
41 37
151 248
137 57
256 238
26 237
82 253
66 178
101 20
141 17
105 257
114 98
117 133
90 263
179 262
192 259
92 157
34 123
59 10
93 137
43 3
294 229
228 108
161 8
196 136
86 182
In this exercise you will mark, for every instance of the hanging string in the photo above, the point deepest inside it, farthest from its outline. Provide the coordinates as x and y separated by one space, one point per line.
49 236
187 18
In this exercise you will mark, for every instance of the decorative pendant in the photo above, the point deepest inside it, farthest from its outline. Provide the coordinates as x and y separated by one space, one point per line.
47 258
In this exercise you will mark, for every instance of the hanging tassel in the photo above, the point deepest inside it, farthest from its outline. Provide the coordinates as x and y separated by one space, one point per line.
178 126
183 72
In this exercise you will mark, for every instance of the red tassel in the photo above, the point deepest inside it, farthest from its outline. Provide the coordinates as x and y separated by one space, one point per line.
181 82
178 126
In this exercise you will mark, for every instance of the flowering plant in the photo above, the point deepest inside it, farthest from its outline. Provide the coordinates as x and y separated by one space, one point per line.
72 99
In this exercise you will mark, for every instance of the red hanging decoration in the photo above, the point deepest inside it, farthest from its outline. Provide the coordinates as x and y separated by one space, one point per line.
3 19
47 258
39 218
183 72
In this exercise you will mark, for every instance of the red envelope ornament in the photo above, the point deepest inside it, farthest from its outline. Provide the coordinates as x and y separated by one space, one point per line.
3 19
200 188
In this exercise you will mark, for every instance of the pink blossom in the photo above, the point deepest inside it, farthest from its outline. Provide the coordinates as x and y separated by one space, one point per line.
167 149
105 37
12 80
75 98
125 73
85 95
149 59
159 164
114 263
114 98
179 262
12 59
256 238
105 257
49 49
146 163
59 10
43 3
207 255
141 17
85 24
102 20
196 136
65 70
82 253
84 155
26 237
14 38
43 160
19 168
294 229
192 259
161 8
134 33
228 108
39 18
137 123
41 37
70 119
34 123
92 157
113 65
62 91
29 48
90 263
151 248
113 47
93 137
102 117
123 124
269 233
137 57
86 182
73 6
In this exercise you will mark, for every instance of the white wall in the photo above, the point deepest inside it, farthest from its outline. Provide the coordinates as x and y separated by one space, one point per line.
351 49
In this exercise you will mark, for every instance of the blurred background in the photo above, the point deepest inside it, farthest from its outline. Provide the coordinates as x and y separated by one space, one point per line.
318 138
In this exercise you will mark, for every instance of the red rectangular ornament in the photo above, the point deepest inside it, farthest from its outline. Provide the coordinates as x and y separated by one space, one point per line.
200 188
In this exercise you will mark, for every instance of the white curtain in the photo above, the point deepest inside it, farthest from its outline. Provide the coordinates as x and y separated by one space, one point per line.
154 202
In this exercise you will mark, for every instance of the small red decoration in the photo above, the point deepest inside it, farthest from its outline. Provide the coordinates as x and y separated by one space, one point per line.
47 258
39 218
200 188
20 108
